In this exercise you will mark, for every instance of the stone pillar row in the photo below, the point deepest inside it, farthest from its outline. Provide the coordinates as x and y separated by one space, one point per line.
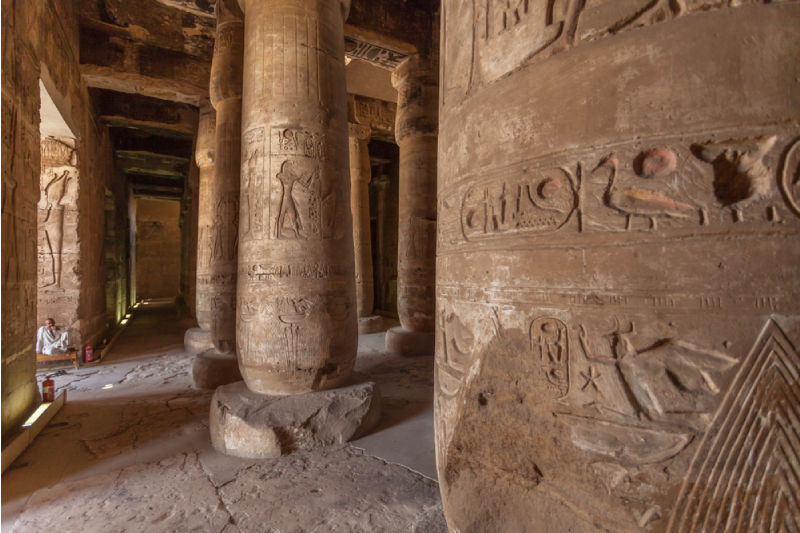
416 131
296 323
219 365
360 176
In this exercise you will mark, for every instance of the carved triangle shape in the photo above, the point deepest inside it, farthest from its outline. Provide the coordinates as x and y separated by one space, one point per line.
745 477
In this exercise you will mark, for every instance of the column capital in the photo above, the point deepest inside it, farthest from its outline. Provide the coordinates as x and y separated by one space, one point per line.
227 66
345 5
417 83
359 131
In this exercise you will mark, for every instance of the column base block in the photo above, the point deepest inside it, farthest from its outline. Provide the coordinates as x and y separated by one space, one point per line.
197 340
246 424
212 369
400 341
370 324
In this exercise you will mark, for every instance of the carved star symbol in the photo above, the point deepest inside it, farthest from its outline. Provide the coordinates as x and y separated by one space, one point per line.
591 379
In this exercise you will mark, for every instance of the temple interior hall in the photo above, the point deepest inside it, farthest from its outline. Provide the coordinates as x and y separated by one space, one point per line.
401 266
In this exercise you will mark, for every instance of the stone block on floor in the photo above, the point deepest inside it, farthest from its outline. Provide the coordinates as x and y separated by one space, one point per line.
246 424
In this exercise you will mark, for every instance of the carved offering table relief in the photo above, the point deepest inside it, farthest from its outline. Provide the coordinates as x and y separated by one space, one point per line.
59 253
297 311
416 130
618 313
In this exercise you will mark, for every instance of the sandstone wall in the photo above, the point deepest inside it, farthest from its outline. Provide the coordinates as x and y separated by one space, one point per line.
618 266
158 248
42 37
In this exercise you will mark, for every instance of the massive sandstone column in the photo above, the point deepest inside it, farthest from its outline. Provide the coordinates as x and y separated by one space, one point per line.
226 96
297 313
416 130
199 339
219 366
296 323
360 176
618 266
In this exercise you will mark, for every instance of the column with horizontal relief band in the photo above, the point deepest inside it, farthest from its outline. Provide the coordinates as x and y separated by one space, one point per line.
416 130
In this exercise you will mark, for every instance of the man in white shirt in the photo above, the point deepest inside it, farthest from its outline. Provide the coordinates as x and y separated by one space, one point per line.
50 340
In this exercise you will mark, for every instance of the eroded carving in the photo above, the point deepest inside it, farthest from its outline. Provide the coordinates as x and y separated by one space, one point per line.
740 175
550 343
790 178
253 184
744 475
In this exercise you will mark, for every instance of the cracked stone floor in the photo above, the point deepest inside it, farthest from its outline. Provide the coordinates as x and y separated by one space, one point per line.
130 451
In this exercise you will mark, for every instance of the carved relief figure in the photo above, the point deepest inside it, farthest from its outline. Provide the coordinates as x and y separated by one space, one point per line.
225 231
290 223
53 194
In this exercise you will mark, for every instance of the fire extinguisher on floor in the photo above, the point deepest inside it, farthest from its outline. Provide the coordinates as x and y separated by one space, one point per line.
88 353
48 389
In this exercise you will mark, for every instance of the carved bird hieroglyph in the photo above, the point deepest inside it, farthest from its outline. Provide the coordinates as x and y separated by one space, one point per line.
640 202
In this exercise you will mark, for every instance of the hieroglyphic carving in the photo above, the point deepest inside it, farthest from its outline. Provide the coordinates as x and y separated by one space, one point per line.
377 114
59 190
550 344
302 207
421 240
254 185
790 178
225 229
740 175
545 27
641 202
744 474
535 202
377 55
317 270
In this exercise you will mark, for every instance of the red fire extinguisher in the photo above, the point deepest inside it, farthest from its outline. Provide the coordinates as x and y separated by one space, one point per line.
88 353
48 389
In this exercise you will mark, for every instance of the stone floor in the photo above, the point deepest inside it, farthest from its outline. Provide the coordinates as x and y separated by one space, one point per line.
130 451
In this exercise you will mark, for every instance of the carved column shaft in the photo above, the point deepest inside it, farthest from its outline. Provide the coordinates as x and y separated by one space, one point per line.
360 176
204 155
416 130
226 95
297 310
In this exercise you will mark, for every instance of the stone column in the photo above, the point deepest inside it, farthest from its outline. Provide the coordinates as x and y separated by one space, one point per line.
297 318
216 367
617 266
416 129
360 175
226 96
199 339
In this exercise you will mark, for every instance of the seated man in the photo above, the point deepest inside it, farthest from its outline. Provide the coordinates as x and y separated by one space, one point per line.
50 340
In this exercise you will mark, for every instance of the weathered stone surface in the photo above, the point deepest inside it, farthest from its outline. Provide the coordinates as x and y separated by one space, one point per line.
197 340
158 245
400 341
416 127
370 324
246 424
212 369
297 312
226 96
144 498
617 266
